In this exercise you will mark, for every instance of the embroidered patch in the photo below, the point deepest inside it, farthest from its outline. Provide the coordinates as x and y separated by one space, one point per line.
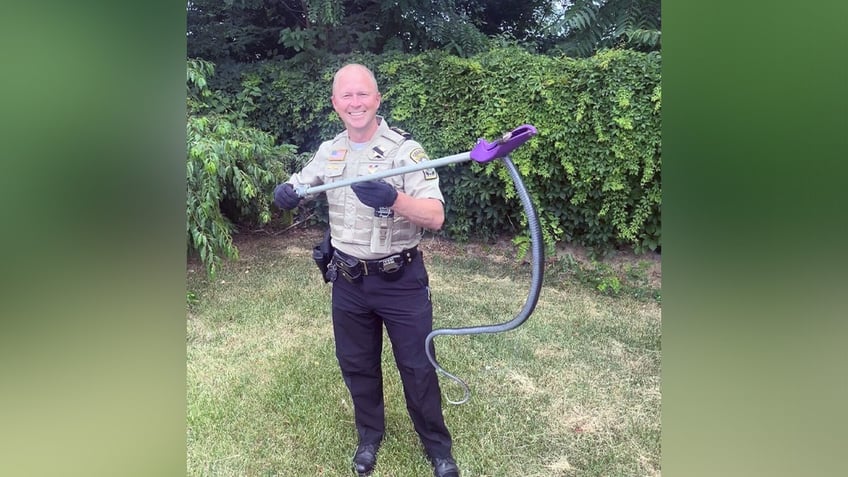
418 155
338 154
372 168
377 153
430 174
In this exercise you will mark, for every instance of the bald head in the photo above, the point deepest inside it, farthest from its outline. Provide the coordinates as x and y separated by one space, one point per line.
356 100
354 71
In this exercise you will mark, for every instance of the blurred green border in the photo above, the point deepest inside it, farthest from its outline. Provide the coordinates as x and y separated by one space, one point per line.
93 192
754 311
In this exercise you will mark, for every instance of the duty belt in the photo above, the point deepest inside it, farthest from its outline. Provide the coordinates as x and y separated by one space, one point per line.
353 268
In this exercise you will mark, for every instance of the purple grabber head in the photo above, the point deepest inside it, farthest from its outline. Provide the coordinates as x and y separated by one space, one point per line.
486 151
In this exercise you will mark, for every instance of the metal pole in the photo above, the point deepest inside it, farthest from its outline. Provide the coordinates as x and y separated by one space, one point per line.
465 156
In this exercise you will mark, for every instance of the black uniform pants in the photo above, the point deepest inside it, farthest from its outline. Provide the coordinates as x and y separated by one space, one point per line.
360 310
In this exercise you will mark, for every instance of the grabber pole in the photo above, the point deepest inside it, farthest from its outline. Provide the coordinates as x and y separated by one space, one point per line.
483 151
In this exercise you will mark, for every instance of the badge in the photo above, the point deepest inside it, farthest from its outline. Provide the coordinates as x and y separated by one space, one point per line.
377 153
430 174
418 155
372 168
338 154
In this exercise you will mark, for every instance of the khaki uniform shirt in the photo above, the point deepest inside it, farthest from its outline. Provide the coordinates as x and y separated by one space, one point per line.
351 221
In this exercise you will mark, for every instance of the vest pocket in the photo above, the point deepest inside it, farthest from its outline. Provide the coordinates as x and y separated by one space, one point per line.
333 171
368 168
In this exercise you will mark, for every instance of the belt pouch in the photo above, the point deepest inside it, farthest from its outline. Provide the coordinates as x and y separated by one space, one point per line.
322 253
349 267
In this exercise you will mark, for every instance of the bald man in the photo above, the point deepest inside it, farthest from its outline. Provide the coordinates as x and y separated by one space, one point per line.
377 272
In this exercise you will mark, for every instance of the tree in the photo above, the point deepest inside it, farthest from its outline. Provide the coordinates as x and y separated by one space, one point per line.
586 26
244 30
523 21
231 170
253 30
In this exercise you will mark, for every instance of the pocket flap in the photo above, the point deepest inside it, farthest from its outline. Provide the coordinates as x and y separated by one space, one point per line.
334 169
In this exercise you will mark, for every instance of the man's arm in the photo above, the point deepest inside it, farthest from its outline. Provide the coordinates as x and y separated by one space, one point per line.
425 213
312 173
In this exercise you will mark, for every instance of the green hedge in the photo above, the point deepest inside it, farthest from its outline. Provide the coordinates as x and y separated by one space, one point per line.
593 170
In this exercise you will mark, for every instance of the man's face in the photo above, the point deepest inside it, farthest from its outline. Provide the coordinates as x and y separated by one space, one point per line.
356 100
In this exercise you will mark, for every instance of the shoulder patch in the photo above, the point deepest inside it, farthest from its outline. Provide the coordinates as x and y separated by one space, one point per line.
430 174
395 135
400 131
417 155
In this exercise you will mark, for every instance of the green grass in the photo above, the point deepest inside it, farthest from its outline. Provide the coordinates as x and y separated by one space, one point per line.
575 391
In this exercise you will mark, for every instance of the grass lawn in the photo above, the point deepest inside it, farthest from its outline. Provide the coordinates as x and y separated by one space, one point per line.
574 391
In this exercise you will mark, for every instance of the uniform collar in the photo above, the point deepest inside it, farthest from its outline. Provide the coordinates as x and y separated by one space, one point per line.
382 129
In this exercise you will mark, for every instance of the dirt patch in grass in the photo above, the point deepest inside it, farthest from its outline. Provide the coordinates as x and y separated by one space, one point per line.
300 237
500 251
621 261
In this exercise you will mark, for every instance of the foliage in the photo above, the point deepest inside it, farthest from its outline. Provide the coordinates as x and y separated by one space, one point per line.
231 170
289 99
521 20
255 30
593 170
235 31
591 25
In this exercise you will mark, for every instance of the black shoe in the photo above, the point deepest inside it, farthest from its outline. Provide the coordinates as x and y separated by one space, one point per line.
365 459
445 467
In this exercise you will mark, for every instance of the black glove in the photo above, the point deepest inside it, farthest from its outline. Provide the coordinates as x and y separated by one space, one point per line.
375 194
285 197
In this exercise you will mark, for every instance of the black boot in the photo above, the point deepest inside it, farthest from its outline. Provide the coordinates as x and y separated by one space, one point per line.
445 467
364 459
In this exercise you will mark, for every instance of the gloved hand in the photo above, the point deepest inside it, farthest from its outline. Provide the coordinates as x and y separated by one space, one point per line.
375 194
285 197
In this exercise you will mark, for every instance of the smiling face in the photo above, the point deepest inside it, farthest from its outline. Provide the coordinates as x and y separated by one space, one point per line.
356 100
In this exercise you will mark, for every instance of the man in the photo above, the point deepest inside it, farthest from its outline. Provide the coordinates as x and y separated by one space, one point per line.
377 271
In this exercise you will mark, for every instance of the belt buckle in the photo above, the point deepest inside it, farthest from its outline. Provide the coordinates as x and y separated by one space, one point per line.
389 265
